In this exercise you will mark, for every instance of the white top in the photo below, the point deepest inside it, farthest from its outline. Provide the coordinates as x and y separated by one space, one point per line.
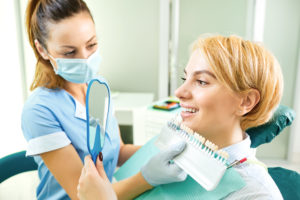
259 184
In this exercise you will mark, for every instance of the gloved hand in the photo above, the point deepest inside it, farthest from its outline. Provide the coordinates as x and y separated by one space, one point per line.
161 170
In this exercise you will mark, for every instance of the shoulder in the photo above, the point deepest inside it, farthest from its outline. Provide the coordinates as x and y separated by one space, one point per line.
43 98
259 184
42 95
44 105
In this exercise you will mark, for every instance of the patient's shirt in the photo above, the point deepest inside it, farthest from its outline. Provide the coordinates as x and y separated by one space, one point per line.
259 184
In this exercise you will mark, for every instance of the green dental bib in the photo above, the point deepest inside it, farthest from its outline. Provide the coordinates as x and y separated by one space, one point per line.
188 189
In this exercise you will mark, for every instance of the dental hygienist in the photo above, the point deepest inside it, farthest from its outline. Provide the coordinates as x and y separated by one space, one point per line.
63 37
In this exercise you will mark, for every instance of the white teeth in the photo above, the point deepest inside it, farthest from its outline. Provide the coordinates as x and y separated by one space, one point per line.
192 110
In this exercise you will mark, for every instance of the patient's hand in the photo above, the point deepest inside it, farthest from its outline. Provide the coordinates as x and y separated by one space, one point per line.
93 182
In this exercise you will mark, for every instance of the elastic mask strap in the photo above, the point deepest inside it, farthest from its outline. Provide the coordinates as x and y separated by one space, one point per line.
53 66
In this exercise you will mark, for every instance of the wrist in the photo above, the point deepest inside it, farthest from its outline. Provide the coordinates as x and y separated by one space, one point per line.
143 181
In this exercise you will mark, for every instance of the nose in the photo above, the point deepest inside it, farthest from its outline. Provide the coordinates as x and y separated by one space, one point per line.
183 92
84 54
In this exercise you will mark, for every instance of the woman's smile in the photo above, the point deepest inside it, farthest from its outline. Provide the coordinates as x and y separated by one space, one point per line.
188 111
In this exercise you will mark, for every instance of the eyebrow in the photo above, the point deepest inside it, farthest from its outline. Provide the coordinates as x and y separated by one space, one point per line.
202 72
72 47
91 39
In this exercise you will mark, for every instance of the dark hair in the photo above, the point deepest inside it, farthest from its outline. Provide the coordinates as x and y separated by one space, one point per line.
38 14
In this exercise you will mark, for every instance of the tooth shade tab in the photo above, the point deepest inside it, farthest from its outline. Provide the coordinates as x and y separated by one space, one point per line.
199 137
223 154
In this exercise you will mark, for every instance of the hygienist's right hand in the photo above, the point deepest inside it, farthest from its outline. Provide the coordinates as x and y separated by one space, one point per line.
93 182
161 170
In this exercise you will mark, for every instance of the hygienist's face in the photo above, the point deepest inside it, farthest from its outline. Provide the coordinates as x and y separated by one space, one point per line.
73 37
208 106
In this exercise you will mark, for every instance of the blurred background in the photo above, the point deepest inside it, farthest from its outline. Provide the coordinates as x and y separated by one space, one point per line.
145 47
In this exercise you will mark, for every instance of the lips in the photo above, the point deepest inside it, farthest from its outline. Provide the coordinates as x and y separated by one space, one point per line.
189 109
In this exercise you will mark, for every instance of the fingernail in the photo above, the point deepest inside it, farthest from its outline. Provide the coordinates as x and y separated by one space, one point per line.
100 156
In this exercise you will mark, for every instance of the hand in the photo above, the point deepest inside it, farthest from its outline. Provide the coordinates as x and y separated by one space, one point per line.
93 182
161 170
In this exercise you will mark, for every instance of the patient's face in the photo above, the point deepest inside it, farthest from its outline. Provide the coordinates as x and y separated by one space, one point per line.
208 106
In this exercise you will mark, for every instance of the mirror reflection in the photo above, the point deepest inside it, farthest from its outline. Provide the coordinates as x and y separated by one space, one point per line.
97 111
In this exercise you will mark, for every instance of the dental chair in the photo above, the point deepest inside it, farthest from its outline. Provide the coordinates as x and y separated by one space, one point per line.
18 177
15 164
288 181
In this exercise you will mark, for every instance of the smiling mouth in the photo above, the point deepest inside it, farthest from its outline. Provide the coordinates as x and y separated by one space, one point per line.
190 110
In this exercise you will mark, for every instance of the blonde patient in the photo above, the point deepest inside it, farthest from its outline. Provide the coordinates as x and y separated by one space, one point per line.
230 85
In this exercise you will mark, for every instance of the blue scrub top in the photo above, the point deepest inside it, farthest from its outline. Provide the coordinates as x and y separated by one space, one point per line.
52 119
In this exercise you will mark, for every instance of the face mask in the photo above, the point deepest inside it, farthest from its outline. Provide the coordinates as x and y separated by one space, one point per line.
78 70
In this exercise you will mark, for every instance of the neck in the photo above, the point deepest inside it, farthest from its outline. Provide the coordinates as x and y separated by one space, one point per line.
78 91
227 136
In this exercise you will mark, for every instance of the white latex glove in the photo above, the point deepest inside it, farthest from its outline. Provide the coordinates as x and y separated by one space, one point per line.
160 169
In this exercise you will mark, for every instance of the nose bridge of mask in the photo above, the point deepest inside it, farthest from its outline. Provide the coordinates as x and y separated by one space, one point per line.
75 69
60 61
73 60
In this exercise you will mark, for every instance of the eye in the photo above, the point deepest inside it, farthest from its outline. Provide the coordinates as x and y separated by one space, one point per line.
92 45
69 53
183 79
202 82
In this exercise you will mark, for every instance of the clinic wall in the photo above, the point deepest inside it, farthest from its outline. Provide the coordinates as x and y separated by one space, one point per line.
128 32
199 17
281 36
11 139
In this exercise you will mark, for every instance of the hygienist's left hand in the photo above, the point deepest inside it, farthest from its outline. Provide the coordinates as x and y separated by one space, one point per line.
93 182
161 170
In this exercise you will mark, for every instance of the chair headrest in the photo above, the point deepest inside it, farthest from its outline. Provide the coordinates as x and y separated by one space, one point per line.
265 133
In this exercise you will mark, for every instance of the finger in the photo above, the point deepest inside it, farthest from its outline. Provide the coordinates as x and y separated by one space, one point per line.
100 169
174 150
82 175
182 176
89 165
175 168
87 160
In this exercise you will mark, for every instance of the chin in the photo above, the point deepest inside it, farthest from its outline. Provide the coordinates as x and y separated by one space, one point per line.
192 125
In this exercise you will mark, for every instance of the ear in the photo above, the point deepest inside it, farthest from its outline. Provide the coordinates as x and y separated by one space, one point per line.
248 101
42 51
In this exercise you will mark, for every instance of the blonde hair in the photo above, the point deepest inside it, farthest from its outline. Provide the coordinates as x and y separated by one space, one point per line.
242 65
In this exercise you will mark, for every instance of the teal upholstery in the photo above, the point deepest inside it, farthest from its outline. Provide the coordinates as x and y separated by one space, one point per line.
14 164
265 133
287 181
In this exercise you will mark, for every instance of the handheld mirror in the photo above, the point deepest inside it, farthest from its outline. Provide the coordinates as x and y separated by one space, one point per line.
97 109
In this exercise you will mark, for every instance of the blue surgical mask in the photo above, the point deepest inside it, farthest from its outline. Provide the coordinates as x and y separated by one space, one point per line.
78 70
